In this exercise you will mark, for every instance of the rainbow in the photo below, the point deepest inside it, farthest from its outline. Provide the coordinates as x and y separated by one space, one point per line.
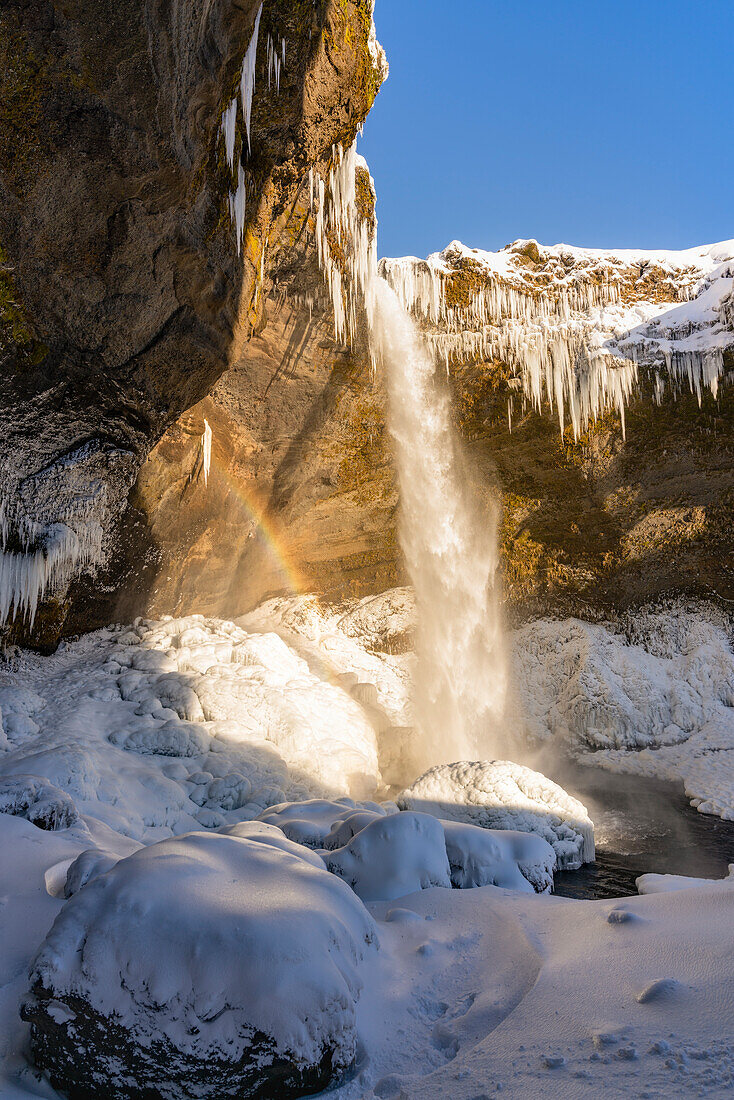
263 528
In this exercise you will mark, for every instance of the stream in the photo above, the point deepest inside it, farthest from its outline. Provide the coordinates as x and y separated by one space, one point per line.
642 825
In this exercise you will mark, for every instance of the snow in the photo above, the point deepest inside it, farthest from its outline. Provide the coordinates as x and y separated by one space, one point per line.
163 727
667 884
587 998
498 857
393 856
317 822
474 993
197 941
653 695
501 795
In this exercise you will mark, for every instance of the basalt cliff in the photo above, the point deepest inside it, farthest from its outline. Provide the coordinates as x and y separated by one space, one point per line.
190 417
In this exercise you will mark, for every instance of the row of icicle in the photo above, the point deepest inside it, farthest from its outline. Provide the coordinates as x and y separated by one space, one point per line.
242 102
544 338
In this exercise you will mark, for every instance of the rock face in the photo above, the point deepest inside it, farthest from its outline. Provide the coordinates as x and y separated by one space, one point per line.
610 513
182 430
122 294
208 965
632 353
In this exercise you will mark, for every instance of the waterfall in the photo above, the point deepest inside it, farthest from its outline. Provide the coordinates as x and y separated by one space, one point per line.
448 532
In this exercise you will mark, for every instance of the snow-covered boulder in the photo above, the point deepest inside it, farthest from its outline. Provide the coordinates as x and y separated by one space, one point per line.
495 857
393 856
497 794
38 801
204 966
315 822
89 864
172 738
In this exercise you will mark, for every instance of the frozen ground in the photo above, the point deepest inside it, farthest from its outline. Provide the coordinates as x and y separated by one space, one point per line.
135 735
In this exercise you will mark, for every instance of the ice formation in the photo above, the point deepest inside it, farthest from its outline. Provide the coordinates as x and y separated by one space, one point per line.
576 324
54 522
653 695
228 130
502 795
247 79
349 277
276 59
449 539
206 451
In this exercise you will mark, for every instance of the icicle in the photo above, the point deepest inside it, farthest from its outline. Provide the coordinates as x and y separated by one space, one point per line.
237 207
205 448
337 217
247 81
229 129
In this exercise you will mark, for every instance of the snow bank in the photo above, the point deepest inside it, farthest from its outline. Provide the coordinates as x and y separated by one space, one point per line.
503 795
652 695
202 964
668 884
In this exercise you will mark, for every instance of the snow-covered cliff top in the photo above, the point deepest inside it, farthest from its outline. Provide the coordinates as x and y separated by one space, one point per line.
575 324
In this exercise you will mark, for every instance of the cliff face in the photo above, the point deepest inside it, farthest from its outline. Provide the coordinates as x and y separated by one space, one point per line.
592 390
138 227
182 427
632 499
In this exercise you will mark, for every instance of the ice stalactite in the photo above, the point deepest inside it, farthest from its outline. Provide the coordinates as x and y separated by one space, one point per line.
228 130
247 80
205 449
59 554
53 524
348 276
569 326
448 533
238 207
276 60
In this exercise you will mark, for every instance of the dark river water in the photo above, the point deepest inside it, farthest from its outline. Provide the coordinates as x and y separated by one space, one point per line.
642 825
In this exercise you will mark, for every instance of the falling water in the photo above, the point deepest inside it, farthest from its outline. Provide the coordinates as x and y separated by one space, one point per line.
448 533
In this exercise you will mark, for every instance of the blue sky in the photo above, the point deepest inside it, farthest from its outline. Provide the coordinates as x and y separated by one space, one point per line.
592 122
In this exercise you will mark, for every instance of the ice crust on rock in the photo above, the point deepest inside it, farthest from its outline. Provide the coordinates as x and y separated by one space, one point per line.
37 800
204 963
501 795
54 523
651 695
